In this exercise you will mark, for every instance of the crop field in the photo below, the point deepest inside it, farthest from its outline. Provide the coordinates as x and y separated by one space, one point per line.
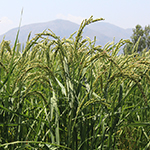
72 94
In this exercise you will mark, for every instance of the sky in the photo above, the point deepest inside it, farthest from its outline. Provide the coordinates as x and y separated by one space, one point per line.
123 13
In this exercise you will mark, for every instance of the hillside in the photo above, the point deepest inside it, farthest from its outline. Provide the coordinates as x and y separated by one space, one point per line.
104 32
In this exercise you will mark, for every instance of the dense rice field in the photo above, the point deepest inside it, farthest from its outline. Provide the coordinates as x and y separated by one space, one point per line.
71 94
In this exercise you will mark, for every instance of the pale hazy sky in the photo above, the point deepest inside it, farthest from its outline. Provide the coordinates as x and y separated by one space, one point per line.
123 13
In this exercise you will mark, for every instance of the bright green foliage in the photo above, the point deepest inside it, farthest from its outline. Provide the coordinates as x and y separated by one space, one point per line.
72 94
140 36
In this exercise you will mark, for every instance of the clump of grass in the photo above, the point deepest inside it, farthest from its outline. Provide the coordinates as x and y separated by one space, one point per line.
72 94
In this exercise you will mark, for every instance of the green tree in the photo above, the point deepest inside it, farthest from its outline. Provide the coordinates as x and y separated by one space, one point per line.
143 34
147 36
128 48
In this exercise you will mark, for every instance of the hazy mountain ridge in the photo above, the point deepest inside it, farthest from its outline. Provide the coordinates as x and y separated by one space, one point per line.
104 32
111 30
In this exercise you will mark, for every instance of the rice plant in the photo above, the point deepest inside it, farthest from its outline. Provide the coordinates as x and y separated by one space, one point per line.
70 93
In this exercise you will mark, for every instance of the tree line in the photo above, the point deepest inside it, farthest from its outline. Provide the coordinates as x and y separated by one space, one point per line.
141 34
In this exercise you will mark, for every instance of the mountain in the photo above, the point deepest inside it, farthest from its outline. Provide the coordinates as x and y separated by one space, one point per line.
111 30
104 32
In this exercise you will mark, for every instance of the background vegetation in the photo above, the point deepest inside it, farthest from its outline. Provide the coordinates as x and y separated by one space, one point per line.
143 35
72 94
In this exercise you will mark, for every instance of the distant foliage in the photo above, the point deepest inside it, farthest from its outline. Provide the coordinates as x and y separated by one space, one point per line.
140 36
